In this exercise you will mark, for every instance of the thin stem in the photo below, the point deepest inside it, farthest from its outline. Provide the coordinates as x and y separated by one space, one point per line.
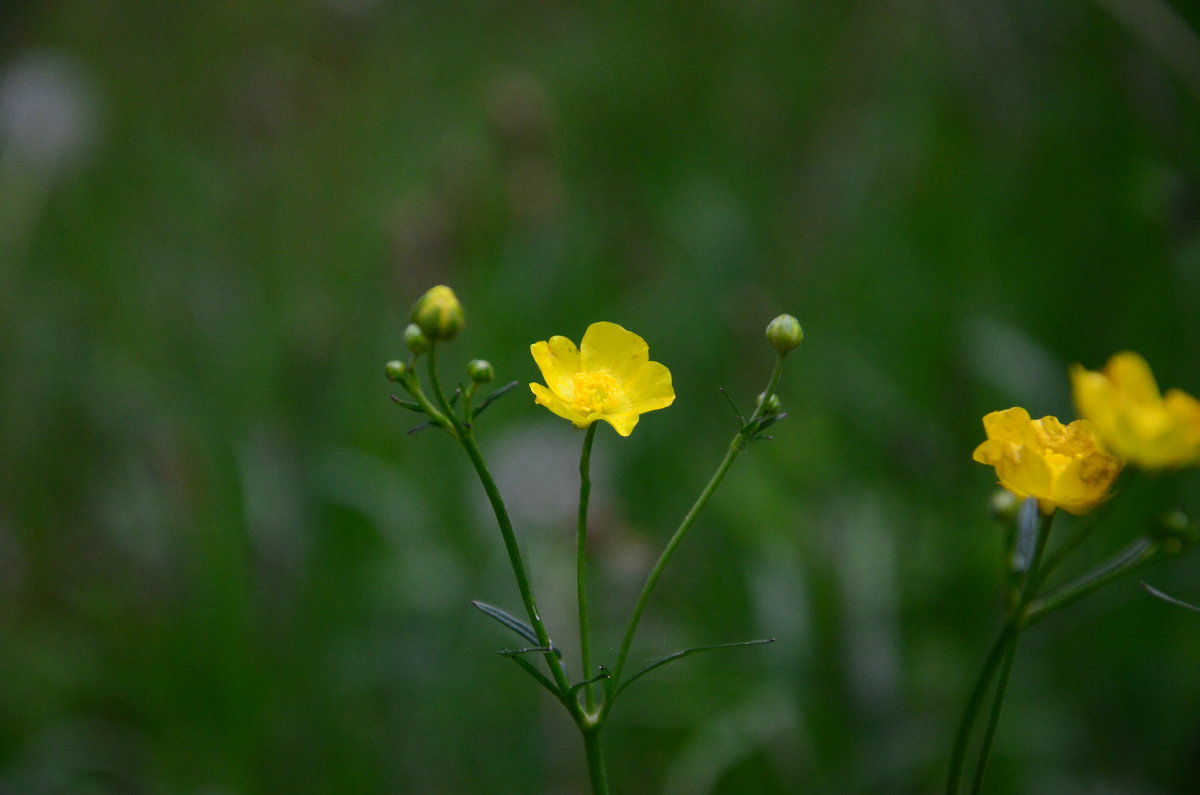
585 490
735 448
517 562
1010 652
597 770
1015 622
973 704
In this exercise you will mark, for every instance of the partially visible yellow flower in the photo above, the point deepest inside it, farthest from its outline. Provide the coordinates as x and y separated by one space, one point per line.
1131 416
1063 466
609 377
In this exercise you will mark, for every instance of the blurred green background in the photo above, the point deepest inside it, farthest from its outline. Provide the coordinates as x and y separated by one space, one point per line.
224 567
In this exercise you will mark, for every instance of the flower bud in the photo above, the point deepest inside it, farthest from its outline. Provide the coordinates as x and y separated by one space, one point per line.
1175 533
438 313
415 339
480 371
395 370
784 333
770 404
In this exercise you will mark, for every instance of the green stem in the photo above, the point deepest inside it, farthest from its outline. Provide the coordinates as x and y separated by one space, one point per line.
976 700
1015 623
735 448
595 760
1010 652
585 490
517 562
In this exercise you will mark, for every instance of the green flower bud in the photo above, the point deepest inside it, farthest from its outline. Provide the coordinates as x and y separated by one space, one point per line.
395 370
438 313
784 333
480 371
1175 533
415 339
770 404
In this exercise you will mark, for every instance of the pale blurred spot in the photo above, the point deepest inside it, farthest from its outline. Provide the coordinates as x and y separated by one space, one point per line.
537 470
519 112
535 190
48 110
1016 365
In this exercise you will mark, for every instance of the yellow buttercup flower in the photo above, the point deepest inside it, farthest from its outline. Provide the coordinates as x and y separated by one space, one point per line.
609 377
1136 422
1063 466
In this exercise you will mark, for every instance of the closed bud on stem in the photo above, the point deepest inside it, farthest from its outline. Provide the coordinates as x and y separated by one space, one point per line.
415 339
1175 533
480 371
770 404
784 333
438 313
395 370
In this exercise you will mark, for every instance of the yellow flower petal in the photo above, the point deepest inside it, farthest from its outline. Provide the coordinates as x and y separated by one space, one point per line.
1131 375
556 404
558 359
622 423
607 346
652 385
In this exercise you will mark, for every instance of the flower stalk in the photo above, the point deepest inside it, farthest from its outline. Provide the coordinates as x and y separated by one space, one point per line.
745 433
585 491
466 438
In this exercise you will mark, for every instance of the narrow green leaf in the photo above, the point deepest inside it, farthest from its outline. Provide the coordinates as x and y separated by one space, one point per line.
512 622
407 404
540 678
530 650
1169 599
684 653
736 410
575 688
491 398
421 427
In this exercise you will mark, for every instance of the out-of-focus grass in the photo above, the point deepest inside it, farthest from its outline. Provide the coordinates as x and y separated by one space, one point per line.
223 565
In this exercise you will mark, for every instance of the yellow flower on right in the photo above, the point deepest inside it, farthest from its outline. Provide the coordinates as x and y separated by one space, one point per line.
1133 419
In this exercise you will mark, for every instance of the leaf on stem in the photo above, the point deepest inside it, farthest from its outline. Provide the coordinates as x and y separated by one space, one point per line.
516 625
491 398
684 653
1166 598
421 427
732 405
575 688
512 622
407 404
540 678
755 429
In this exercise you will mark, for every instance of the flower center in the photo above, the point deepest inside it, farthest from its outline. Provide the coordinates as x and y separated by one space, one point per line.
596 392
